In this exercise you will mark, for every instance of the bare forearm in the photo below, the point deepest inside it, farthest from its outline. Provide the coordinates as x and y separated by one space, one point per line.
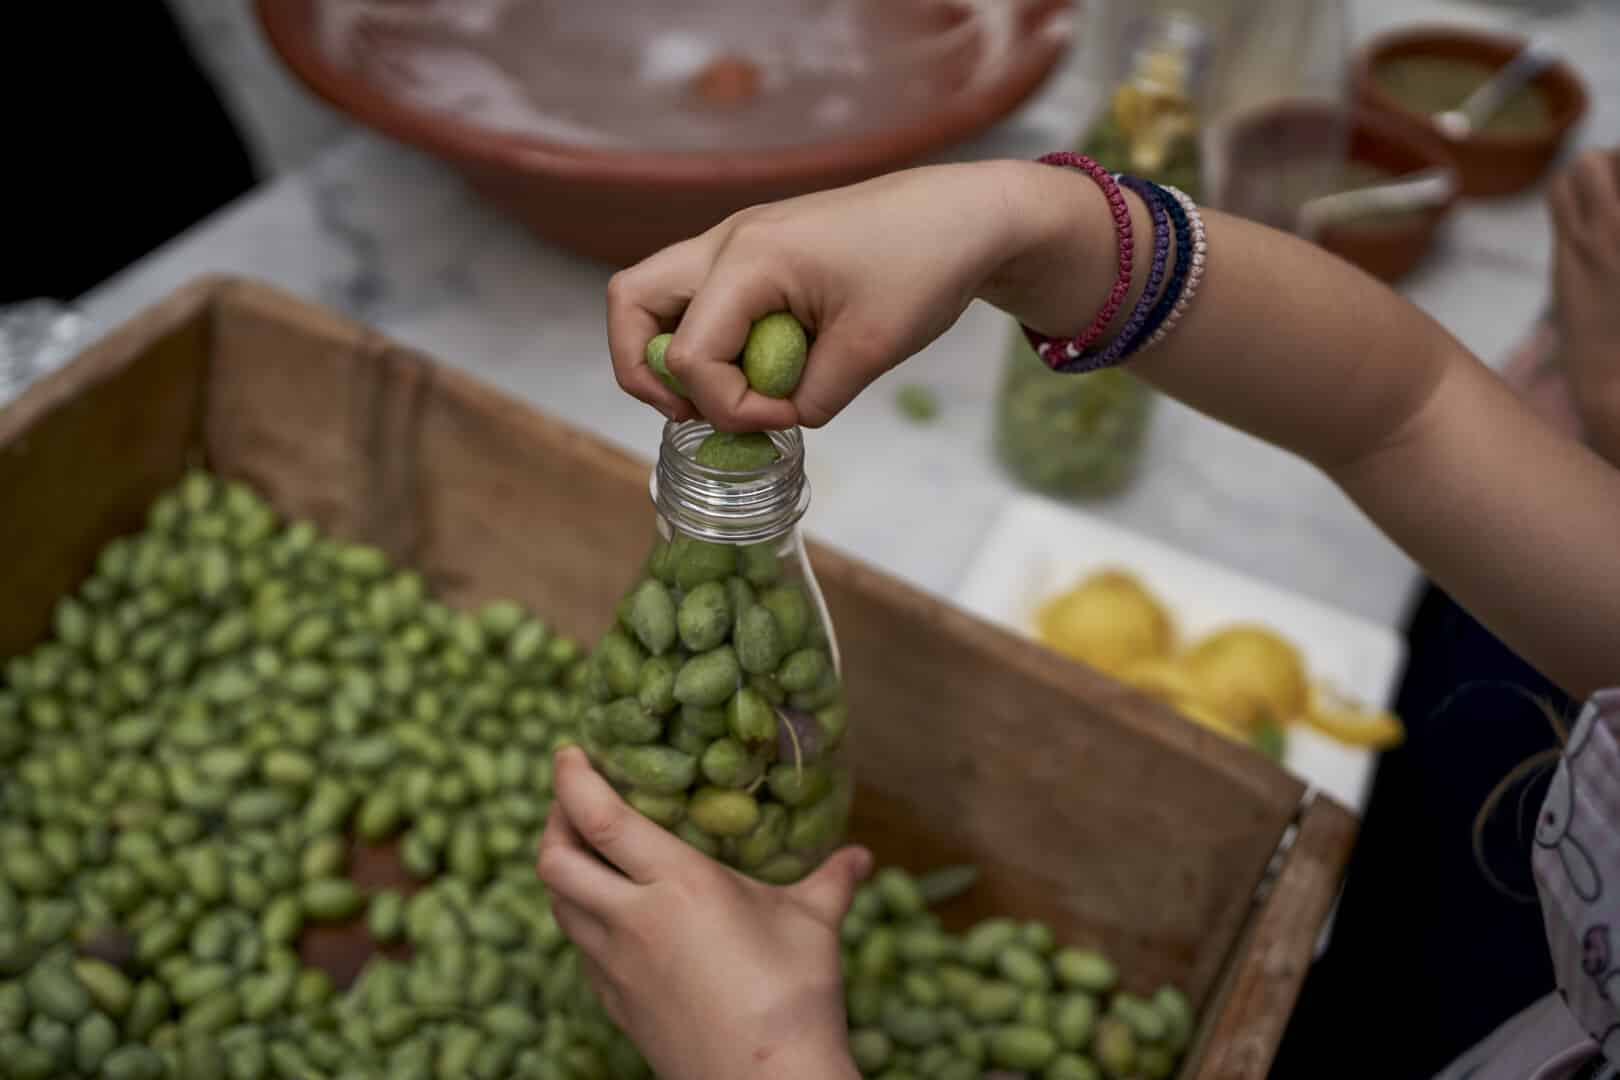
1283 342
1521 531
1302 350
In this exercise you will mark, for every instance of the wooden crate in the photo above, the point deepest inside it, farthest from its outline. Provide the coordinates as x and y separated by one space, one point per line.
1187 857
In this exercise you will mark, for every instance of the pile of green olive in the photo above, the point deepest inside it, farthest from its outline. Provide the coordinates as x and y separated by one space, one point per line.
717 708
231 713
236 719
1001 1000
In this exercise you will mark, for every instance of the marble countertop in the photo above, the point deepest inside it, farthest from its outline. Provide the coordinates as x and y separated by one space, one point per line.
392 238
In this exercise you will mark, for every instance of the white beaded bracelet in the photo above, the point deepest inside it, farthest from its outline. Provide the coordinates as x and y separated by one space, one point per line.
1195 272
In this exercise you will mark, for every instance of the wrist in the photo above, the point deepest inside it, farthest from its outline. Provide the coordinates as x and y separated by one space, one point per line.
1059 257
823 1057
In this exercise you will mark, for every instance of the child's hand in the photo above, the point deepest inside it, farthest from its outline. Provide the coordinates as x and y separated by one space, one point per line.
1585 204
876 271
712 975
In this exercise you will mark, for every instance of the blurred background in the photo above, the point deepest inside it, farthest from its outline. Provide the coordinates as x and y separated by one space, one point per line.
465 174
254 116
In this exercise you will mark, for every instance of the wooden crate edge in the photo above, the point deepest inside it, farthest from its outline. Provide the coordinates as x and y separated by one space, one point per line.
1270 959
1270 785
215 297
110 353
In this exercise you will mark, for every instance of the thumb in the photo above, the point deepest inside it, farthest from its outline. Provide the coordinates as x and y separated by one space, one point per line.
828 891
842 363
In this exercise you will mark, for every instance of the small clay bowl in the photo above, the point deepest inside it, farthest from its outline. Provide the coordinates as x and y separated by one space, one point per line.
617 129
1389 250
1488 163
1384 248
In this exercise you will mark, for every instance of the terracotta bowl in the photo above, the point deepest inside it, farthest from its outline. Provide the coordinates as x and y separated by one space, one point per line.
617 127
1387 250
1488 163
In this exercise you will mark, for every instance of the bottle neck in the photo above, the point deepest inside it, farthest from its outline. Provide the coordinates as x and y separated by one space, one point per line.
723 505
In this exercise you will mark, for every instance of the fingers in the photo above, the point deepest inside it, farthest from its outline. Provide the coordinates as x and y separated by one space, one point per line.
602 821
1585 206
828 891
714 300
645 300
606 990
841 364
572 871
1561 204
1567 257
1597 187
584 929
703 354
713 289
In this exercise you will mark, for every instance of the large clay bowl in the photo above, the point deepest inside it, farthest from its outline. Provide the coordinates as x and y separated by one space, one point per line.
616 127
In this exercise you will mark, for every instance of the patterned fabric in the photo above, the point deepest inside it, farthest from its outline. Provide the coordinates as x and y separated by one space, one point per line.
1574 1033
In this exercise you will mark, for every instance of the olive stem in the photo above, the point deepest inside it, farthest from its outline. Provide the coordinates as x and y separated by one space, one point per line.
814 588
798 751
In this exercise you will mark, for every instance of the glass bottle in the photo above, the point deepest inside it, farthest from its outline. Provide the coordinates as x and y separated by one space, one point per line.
1150 121
1080 436
1071 436
1277 131
716 700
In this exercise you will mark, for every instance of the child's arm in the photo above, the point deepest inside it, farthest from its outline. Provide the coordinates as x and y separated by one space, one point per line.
1517 522
1282 341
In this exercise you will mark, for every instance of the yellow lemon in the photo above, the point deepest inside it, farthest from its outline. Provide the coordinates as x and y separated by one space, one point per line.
1107 621
1339 718
1250 674
1159 677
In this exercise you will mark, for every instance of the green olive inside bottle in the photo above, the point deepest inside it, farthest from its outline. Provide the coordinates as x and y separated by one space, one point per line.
717 695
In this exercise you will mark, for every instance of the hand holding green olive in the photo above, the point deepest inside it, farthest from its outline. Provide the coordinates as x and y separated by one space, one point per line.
878 270
679 947
772 362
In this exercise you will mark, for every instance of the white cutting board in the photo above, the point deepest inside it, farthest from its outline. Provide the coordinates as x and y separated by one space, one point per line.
1037 548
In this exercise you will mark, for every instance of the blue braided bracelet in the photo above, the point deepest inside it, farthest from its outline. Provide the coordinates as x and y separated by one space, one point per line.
1132 334
1178 276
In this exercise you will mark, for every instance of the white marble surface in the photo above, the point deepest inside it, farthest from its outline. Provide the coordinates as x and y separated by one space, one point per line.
283 124
390 237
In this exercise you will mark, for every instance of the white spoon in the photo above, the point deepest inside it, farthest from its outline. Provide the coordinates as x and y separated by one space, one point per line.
1414 191
1493 93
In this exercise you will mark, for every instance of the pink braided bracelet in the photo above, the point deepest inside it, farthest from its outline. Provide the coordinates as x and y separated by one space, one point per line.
1056 351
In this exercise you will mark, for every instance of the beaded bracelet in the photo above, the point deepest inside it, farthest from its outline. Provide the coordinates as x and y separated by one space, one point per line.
1056 351
1153 329
1151 319
1199 252
1132 333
